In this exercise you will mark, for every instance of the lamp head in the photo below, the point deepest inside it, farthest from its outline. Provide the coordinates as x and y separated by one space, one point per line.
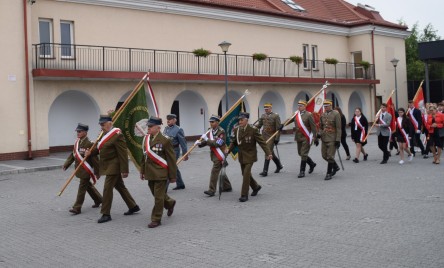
394 61
224 46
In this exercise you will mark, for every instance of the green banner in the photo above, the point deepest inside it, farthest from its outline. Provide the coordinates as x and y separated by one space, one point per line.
132 121
229 123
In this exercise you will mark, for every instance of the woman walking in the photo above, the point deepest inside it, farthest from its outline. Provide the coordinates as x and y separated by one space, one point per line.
435 124
359 129
343 132
404 133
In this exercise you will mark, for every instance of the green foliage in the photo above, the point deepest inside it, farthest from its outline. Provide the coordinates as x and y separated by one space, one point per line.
296 59
365 64
331 61
259 56
200 52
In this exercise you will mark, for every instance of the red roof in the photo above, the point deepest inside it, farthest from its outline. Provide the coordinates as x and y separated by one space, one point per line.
337 12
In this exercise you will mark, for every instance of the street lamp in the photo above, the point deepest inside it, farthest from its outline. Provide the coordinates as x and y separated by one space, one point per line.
395 61
224 46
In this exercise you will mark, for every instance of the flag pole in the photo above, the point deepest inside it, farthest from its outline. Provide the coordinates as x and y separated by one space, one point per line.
125 103
376 117
221 119
68 181
289 119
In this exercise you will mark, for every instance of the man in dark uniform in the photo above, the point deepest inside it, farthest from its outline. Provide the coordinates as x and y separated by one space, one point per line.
305 132
270 122
330 133
158 166
89 170
113 163
177 137
215 139
415 117
245 138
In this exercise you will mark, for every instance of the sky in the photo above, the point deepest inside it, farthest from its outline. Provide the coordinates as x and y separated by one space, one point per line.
410 11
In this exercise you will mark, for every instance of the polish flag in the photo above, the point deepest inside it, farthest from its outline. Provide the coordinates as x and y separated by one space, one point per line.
418 100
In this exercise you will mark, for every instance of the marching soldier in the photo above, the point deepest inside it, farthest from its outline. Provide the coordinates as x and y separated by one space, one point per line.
177 137
215 139
330 134
113 163
304 135
158 166
270 122
89 170
245 138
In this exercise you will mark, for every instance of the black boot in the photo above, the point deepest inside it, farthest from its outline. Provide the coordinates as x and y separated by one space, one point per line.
329 170
278 164
311 164
265 172
335 169
302 170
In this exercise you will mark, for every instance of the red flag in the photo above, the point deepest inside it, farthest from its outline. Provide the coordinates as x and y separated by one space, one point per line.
391 110
418 100
315 106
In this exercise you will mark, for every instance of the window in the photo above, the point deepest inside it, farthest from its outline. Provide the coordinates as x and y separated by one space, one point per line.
66 36
305 55
314 57
293 5
45 35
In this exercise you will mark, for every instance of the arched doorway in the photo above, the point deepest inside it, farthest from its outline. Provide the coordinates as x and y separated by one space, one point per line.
192 112
301 96
67 110
277 101
354 102
335 98
233 96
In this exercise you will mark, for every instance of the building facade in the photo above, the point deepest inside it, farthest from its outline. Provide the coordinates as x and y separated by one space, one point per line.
82 57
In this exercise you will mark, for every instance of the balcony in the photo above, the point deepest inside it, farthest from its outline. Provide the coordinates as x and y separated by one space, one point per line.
51 56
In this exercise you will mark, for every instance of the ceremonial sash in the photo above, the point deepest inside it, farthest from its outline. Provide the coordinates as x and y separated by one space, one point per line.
217 151
413 120
108 136
85 164
308 135
403 133
152 155
358 124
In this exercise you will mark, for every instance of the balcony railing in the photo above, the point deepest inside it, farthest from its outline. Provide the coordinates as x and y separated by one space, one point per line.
101 58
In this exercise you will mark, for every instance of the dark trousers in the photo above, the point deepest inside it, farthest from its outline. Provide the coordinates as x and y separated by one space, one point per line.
417 141
382 144
179 181
344 144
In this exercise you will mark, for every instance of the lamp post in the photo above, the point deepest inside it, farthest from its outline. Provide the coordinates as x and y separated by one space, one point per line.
395 61
224 46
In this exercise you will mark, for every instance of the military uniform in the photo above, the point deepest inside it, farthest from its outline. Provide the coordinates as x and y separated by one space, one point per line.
330 131
158 173
304 143
84 176
177 137
245 138
218 141
270 123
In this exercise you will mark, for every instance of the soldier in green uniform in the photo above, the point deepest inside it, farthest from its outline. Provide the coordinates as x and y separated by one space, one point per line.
89 170
113 163
158 166
271 122
305 132
215 139
330 134
245 138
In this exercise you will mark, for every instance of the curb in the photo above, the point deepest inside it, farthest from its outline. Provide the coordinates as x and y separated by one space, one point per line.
29 170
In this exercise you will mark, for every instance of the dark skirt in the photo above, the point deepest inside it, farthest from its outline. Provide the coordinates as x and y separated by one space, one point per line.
435 139
356 137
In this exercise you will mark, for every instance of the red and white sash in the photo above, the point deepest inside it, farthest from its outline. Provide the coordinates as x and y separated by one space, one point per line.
85 164
308 135
404 134
217 151
413 119
108 136
358 124
152 155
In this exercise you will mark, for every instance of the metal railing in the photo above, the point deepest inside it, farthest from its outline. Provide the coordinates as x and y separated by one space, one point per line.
103 58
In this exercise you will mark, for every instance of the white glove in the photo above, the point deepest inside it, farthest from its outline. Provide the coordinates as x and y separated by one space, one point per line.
198 142
418 131
204 137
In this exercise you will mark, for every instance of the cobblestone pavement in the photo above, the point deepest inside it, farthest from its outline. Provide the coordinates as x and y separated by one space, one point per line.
369 215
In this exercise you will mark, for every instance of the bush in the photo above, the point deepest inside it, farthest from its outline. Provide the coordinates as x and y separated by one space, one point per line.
331 61
296 59
200 52
259 56
365 64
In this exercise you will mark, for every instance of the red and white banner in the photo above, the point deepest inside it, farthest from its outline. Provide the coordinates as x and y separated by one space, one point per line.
85 164
308 135
217 151
391 111
108 136
153 99
418 100
317 105
358 124
152 155
404 134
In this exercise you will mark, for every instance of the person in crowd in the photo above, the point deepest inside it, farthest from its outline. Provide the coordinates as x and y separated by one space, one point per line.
343 132
435 127
404 133
359 130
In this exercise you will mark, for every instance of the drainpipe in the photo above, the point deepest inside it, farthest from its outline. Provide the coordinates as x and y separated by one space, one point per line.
28 108
373 60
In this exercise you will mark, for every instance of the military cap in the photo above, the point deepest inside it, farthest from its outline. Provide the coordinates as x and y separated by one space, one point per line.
327 102
154 121
104 118
243 115
82 127
171 116
214 118
302 102
267 105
